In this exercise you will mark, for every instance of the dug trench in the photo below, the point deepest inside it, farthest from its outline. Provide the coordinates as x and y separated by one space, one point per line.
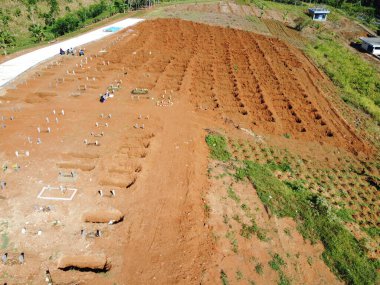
215 78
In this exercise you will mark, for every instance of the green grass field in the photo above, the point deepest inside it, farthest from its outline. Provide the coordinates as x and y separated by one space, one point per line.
358 81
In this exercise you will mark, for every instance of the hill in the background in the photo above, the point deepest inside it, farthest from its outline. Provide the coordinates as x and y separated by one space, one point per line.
24 22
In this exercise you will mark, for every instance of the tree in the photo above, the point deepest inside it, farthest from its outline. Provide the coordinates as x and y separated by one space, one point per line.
6 39
121 6
66 24
38 32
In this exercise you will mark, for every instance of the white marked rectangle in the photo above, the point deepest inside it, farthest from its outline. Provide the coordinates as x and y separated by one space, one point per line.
55 193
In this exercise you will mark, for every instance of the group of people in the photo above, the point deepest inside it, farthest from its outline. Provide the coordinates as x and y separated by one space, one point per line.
71 51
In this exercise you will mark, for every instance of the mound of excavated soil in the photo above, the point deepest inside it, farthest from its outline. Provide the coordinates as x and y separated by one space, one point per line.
103 216
252 80
95 263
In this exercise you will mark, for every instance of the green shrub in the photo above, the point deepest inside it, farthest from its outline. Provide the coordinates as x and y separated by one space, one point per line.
232 194
277 262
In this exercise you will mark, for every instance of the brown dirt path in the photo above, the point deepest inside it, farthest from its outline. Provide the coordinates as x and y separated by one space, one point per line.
167 240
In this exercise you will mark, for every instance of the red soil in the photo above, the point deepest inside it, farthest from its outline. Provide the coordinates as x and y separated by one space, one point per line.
256 82
213 76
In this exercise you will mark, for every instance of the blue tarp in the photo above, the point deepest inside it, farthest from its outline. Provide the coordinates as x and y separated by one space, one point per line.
112 29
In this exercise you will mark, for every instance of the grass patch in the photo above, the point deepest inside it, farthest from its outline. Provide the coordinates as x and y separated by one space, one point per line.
296 185
239 275
224 278
288 232
234 243
4 241
218 147
259 268
248 230
232 194
357 79
310 260
316 221
284 166
277 262
236 217
283 279
207 210
345 215
372 231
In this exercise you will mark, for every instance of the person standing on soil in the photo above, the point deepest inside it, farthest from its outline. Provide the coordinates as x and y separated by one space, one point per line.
4 258
21 258
103 98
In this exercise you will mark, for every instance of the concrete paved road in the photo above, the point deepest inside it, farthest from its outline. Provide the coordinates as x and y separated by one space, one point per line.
9 70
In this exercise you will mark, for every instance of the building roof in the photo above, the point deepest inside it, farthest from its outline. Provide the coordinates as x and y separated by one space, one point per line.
374 41
319 10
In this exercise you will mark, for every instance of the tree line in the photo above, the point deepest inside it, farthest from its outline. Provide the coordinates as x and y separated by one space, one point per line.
49 25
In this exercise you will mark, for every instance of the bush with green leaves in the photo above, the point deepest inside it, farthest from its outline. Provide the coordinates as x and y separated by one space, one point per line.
37 32
73 21
66 24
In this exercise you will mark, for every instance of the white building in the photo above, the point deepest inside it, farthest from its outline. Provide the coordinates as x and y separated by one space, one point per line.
371 45
319 14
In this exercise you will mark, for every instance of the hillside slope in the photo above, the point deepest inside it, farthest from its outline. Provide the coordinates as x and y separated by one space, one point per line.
280 199
25 22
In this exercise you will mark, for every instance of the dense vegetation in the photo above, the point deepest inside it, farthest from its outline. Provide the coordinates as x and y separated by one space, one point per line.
370 7
363 11
316 218
26 22
358 80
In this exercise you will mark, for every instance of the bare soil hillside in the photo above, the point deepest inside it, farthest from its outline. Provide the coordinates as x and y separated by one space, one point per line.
149 148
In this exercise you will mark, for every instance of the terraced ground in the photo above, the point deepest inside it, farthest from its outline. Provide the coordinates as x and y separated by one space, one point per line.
177 228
